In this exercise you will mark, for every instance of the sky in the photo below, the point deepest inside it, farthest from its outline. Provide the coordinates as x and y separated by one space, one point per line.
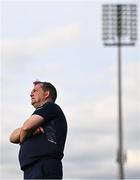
61 42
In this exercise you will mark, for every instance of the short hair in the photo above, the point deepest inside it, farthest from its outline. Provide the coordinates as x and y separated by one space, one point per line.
46 86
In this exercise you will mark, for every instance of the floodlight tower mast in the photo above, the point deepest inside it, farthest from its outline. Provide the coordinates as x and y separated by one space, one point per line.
120 29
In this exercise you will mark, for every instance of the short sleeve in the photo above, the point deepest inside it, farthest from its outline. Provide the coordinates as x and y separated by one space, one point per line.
47 111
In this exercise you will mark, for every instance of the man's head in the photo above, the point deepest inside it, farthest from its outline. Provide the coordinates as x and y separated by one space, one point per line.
42 92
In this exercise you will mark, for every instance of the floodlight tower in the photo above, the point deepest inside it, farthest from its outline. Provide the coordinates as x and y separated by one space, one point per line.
119 29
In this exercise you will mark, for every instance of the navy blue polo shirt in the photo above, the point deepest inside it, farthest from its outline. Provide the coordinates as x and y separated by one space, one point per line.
51 143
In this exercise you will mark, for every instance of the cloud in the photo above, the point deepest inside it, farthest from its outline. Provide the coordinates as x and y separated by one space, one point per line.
133 158
57 36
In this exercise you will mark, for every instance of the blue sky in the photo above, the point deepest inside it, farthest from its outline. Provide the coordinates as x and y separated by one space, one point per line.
61 42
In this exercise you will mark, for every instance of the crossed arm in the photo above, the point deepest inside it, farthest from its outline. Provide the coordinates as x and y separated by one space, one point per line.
30 127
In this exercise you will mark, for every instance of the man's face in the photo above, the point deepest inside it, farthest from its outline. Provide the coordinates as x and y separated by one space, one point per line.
38 96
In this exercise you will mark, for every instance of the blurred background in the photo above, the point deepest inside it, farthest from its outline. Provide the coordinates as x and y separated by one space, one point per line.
60 41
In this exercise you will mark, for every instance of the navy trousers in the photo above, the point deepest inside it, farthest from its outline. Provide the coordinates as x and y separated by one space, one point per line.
44 169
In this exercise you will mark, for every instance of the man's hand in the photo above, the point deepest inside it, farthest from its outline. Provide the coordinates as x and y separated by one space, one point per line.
39 130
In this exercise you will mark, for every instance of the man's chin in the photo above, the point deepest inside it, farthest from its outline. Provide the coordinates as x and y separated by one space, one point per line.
32 103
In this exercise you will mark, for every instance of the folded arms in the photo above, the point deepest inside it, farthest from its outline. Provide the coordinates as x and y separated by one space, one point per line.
31 126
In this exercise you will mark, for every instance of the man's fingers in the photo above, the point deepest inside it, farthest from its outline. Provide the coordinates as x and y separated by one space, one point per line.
41 129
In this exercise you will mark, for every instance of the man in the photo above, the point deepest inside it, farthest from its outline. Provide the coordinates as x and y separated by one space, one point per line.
42 136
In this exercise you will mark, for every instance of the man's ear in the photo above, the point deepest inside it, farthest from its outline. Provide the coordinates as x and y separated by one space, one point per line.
47 94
